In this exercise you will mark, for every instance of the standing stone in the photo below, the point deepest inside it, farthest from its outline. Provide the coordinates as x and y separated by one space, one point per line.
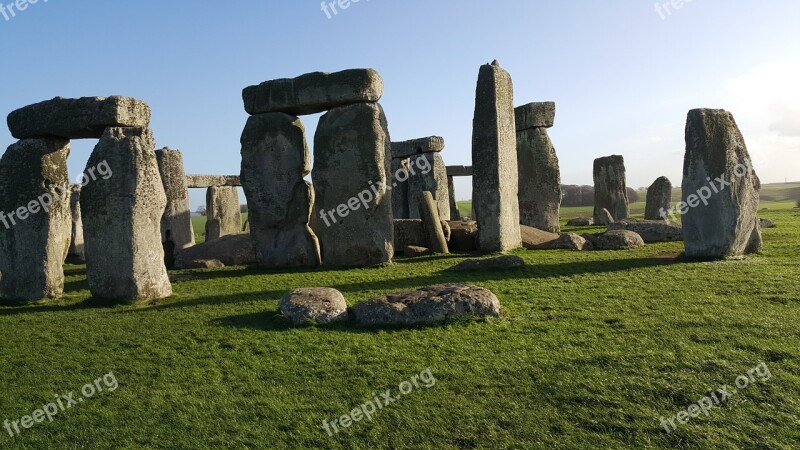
275 158
451 188
122 218
76 251
610 191
431 223
428 173
223 212
400 200
34 219
659 198
494 161
177 232
720 189
352 151
539 180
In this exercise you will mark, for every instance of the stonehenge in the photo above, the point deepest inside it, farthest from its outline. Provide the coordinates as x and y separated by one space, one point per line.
424 171
539 174
223 212
76 252
494 157
610 190
207 181
177 232
659 197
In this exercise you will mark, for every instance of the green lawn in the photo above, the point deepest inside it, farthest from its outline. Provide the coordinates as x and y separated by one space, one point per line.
594 348
199 226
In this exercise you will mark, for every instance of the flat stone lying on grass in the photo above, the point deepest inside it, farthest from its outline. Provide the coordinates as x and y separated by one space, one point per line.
314 305
78 118
766 223
615 240
581 222
231 250
651 231
533 237
206 264
413 251
428 305
569 241
498 262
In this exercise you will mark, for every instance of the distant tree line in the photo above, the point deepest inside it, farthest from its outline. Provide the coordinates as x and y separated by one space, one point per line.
574 195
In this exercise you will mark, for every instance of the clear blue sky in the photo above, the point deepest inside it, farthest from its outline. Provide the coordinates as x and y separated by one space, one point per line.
623 77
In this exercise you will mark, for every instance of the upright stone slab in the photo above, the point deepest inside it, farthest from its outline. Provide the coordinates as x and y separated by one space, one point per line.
659 199
122 218
275 158
539 180
451 188
76 251
494 161
352 153
610 190
400 201
34 219
177 232
223 212
720 189
429 174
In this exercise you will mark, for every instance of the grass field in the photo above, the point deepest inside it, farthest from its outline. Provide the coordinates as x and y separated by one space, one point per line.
593 350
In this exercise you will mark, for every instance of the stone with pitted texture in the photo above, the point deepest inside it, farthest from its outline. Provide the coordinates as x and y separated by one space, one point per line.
404 149
535 115
314 305
497 262
539 180
177 232
651 231
223 212
659 198
615 240
610 190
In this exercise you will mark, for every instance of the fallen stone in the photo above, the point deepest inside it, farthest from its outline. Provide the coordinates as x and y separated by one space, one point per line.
766 223
230 250
610 190
414 252
533 237
78 118
205 264
581 222
223 212
659 199
314 92
428 305
405 149
207 181
535 115
539 180
177 232
498 262
651 231
314 305
616 240
569 241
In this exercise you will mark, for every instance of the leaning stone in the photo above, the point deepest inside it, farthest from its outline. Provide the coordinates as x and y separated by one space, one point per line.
314 305
499 262
121 218
354 139
404 149
539 180
581 222
231 250
177 232
431 223
35 223
207 181
464 236
411 232
604 218
314 92
617 240
494 158
76 252
428 305
535 115
727 226
766 223
533 237
659 199
413 251
275 158
223 212
610 190
78 118
433 181
651 231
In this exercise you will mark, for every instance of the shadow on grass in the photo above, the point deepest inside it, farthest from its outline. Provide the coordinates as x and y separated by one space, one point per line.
10 307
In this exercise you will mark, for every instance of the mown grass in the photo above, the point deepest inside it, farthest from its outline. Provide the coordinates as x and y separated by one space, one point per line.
594 348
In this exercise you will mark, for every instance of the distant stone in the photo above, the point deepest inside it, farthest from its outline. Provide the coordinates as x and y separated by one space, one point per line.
207 181
314 92
533 237
659 199
610 190
651 231
77 252
404 149
455 214
535 115
428 305
581 222
206 264
766 223
78 118
231 250
414 252
617 240
463 236
223 212
604 218
177 232
314 305
498 262
569 241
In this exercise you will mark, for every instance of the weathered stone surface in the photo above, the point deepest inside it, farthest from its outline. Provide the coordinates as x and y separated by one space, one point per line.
766 223
400 200
76 252
275 158
494 161
727 226
207 181
459 171
77 118
231 250
404 149
604 218
535 115
177 232
314 305
498 262
428 305
35 219
539 180
223 212
433 180
651 231
533 237
314 92
581 222
410 232
615 240
122 219
455 214
463 236
431 223
659 199
610 190
569 241
413 251
351 158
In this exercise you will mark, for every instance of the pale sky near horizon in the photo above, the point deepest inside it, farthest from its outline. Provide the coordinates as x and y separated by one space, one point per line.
622 74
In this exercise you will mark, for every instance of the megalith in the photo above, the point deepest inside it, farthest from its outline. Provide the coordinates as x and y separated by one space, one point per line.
610 190
538 169
719 189
495 186
76 251
400 188
451 188
429 175
177 232
223 212
275 158
659 198
35 219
